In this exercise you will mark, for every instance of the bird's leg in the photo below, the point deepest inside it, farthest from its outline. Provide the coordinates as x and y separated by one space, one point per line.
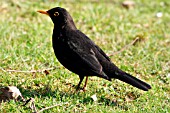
84 88
78 86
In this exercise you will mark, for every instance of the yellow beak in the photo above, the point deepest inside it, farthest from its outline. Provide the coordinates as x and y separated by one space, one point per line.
43 12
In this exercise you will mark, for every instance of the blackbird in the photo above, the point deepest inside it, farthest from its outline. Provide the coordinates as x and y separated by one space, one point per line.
79 54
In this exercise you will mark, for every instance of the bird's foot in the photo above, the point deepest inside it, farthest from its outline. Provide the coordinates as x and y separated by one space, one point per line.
81 89
84 89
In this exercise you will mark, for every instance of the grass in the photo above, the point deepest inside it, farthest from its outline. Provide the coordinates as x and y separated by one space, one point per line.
25 42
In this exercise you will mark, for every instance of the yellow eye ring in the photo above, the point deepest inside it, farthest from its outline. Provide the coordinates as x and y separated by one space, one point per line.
56 14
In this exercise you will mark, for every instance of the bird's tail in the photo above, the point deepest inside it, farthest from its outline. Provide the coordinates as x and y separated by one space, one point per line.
125 77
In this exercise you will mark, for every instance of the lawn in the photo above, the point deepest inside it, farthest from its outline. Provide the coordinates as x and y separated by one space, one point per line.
25 42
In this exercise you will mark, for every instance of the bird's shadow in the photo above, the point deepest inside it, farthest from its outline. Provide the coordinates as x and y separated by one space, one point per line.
61 96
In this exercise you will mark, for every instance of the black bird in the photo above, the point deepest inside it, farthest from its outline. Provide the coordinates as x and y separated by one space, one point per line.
79 54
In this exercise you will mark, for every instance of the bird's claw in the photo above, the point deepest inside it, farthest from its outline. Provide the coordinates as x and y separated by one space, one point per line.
84 89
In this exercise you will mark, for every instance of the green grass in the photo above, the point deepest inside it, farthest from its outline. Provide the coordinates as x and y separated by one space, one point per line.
25 42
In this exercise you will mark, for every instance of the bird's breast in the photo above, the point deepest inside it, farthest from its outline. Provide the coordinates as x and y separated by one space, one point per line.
65 55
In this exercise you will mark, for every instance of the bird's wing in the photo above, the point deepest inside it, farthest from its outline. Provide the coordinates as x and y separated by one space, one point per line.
83 49
86 58
102 52
94 45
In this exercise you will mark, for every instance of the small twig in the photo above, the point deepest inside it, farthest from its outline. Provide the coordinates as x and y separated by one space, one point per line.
125 47
33 107
32 104
51 107
31 71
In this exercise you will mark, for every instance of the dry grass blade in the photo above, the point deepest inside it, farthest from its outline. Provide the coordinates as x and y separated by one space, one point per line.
125 47
31 71
51 107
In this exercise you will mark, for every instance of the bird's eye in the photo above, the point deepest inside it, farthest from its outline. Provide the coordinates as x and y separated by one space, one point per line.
56 14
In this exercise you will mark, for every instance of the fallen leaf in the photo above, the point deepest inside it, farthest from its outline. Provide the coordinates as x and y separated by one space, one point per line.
159 14
94 97
128 4
46 72
130 97
168 76
10 92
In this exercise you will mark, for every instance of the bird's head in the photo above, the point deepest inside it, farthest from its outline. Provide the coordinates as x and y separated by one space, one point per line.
60 17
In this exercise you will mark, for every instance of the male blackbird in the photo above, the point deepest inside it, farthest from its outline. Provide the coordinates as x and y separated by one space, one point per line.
79 54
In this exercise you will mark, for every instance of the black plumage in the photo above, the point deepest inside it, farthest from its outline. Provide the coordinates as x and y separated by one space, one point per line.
79 54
